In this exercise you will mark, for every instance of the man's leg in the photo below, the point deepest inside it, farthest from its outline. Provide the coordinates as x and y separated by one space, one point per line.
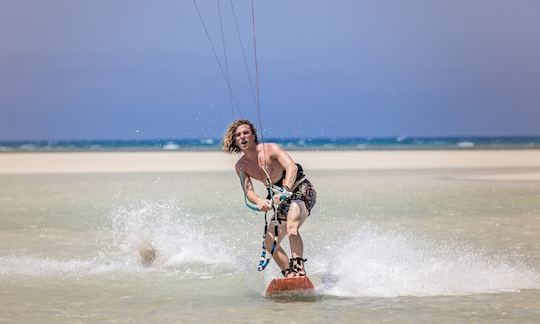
279 256
295 218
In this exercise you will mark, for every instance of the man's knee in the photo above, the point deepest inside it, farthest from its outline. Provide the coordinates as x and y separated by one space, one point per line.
297 211
292 229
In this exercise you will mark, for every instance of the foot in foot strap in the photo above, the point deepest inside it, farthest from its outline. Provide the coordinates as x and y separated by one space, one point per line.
297 265
289 273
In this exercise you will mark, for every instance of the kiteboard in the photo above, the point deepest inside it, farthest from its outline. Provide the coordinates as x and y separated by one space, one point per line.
289 285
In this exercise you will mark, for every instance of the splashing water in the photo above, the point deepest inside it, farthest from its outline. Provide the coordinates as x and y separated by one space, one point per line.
181 247
388 264
172 232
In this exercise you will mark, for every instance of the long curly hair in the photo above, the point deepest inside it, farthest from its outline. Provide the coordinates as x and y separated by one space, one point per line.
229 145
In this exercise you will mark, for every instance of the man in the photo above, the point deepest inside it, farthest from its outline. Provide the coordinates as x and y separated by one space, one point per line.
271 165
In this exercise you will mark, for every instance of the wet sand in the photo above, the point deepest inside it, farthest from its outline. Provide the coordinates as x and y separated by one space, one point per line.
104 162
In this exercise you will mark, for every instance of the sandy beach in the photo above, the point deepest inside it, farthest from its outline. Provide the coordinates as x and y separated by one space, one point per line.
121 162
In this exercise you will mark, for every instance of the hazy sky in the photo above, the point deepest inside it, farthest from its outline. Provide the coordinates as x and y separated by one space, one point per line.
104 69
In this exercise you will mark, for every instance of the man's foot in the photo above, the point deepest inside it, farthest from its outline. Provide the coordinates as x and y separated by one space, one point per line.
289 273
297 265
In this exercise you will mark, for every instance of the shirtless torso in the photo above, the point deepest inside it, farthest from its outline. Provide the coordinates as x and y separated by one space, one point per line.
266 159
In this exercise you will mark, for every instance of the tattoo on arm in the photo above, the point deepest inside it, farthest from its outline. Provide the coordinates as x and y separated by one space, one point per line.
249 185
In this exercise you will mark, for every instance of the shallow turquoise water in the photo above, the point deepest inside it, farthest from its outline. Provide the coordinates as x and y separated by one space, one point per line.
402 245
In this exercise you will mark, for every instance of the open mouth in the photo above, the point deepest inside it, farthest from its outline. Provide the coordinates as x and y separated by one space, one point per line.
243 142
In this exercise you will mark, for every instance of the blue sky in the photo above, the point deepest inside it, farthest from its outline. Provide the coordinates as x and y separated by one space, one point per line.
95 69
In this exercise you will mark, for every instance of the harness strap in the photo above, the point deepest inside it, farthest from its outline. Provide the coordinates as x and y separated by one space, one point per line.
297 183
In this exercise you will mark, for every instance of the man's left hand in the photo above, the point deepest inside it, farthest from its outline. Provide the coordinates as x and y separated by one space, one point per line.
280 194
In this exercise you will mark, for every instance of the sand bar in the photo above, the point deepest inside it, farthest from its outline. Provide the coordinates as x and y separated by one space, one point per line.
89 162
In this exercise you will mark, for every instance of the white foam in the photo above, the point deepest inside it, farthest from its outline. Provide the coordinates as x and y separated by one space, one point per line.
170 230
207 141
388 264
171 146
465 144
182 247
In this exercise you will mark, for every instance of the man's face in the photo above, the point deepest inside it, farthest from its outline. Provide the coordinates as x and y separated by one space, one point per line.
243 137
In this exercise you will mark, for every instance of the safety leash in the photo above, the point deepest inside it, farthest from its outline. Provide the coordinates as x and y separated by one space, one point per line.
272 191
264 261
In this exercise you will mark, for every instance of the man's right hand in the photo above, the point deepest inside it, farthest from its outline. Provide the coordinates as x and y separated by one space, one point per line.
264 205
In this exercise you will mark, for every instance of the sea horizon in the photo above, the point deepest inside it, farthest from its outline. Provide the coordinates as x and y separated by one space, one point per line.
292 143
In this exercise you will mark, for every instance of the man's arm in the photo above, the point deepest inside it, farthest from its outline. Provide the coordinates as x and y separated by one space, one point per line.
249 191
288 164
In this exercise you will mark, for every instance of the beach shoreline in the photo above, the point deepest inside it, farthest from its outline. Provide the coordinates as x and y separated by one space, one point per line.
196 161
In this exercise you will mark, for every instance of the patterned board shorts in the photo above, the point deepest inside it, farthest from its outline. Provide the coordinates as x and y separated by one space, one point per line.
303 192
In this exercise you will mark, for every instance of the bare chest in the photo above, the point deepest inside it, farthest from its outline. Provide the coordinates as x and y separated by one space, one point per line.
257 170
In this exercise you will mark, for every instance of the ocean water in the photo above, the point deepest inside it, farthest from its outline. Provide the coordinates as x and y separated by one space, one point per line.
382 245
351 143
